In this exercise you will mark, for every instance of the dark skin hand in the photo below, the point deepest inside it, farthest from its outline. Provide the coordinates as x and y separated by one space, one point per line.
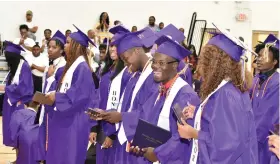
112 117
148 153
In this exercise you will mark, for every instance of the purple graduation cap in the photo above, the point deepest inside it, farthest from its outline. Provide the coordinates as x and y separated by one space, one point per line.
171 48
59 36
128 41
271 39
13 48
81 37
118 32
118 29
173 32
234 47
148 37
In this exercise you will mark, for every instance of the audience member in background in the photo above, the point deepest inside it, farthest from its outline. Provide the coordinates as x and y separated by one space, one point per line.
117 22
67 33
25 42
152 24
24 132
182 29
161 25
134 29
94 51
40 62
45 42
103 26
32 28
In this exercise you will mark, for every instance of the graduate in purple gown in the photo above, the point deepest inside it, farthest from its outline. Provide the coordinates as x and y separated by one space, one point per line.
24 133
50 78
265 93
158 108
224 128
69 126
18 89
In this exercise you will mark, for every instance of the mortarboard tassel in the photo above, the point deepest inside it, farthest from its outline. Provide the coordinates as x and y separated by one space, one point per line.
266 49
244 59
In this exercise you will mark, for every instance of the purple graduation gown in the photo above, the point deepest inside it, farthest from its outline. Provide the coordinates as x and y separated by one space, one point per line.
69 126
274 159
228 132
175 150
41 142
266 112
22 92
187 75
24 133
104 156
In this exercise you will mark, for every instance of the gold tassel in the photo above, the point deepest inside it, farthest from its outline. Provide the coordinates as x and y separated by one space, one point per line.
266 50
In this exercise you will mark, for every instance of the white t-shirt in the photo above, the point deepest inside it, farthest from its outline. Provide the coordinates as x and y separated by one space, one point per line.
29 24
28 42
42 61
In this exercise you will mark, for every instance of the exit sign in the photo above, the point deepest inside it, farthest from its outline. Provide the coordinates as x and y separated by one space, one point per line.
241 17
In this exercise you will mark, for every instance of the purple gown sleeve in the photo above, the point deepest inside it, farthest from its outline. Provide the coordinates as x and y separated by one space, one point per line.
78 96
15 124
225 135
24 90
176 150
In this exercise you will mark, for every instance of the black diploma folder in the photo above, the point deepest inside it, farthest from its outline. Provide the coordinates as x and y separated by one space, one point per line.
41 98
149 135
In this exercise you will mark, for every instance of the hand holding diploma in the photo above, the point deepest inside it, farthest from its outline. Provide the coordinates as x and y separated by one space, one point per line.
186 131
111 116
148 153
95 114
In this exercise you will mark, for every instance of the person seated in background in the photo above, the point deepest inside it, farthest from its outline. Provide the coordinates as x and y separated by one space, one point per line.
45 42
32 28
67 33
182 29
24 132
152 24
117 22
161 25
134 29
25 42
94 51
40 62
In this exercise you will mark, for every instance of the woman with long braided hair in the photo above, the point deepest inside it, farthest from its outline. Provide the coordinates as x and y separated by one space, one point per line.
69 126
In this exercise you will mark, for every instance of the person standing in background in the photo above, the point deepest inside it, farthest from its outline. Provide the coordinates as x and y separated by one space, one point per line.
45 42
40 62
161 25
67 33
32 28
103 27
94 51
152 24
134 29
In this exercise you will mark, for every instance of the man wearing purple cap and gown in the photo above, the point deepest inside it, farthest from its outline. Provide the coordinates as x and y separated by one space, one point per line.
265 94
112 84
25 133
50 78
69 126
18 89
224 128
157 109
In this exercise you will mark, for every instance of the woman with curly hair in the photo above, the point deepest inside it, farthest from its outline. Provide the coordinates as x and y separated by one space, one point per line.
103 26
224 129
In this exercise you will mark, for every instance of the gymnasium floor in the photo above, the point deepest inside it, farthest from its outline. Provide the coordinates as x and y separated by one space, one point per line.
6 153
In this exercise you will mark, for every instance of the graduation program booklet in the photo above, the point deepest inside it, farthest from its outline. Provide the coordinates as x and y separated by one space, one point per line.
149 135
41 98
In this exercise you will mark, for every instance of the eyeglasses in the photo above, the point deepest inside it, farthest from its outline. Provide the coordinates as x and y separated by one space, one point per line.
162 63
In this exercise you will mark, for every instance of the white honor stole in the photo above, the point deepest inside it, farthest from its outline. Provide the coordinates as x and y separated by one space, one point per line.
67 79
49 81
138 85
163 120
16 77
197 122
115 91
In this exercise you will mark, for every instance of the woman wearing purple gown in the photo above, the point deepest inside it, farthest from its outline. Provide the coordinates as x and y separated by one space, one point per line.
70 126
25 133
18 89
265 94
224 129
